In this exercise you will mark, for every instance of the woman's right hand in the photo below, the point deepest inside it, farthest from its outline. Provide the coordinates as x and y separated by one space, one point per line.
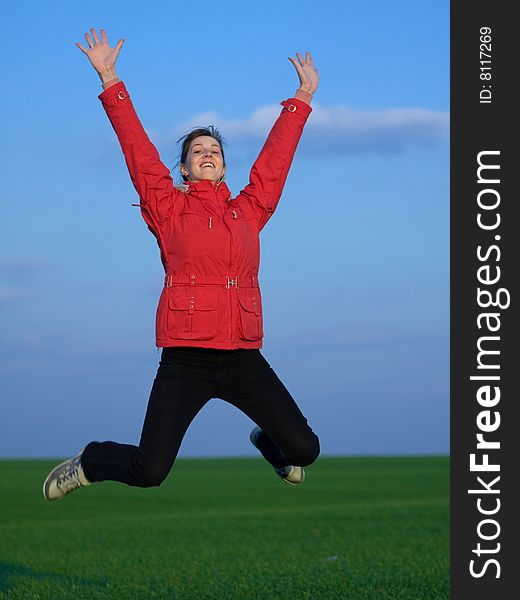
102 57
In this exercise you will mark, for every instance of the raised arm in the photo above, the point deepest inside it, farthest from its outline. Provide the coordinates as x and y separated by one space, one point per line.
270 170
151 178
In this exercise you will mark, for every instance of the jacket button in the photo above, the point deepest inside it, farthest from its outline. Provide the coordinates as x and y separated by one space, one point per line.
291 108
121 95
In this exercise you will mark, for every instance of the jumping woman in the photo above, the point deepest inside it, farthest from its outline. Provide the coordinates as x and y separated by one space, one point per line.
209 318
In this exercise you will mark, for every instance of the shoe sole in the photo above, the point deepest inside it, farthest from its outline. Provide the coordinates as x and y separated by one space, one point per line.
295 482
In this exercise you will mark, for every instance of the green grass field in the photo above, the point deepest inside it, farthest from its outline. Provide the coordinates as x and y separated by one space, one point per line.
230 529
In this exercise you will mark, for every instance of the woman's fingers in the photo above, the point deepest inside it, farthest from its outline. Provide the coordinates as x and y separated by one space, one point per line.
89 41
303 63
299 70
118 46
297 66
81 47
96 42
95 35
95 38
308 74
99 53
304 67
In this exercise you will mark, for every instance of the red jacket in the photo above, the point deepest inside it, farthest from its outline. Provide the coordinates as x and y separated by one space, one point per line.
209 241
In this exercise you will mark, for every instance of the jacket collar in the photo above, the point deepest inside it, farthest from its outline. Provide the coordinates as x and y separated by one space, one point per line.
207 188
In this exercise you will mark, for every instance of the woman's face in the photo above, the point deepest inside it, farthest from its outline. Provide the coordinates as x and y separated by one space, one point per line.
204 160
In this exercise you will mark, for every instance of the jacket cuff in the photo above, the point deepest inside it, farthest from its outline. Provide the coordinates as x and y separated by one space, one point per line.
114 94
296 105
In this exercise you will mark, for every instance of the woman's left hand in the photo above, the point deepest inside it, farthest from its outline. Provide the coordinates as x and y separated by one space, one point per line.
308 75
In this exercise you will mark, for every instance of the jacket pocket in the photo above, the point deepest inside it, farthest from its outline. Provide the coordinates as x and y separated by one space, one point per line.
250 311
192 313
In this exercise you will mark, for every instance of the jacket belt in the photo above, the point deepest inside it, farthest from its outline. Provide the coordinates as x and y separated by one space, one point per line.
248 281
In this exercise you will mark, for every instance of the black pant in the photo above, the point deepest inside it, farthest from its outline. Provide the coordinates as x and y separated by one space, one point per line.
187 378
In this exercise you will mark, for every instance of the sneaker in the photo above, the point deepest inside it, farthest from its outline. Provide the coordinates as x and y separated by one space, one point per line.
65 478
291 474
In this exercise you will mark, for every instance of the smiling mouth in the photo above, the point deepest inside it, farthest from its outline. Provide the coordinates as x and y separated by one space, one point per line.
207 164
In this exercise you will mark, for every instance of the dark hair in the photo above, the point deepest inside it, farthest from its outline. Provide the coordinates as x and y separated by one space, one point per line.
186 139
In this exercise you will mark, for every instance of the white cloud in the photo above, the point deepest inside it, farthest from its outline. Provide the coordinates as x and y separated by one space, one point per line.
336 130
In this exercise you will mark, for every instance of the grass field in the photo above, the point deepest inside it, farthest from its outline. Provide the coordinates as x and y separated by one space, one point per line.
230 529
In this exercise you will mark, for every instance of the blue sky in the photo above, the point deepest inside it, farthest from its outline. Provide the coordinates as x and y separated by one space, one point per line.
355 261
